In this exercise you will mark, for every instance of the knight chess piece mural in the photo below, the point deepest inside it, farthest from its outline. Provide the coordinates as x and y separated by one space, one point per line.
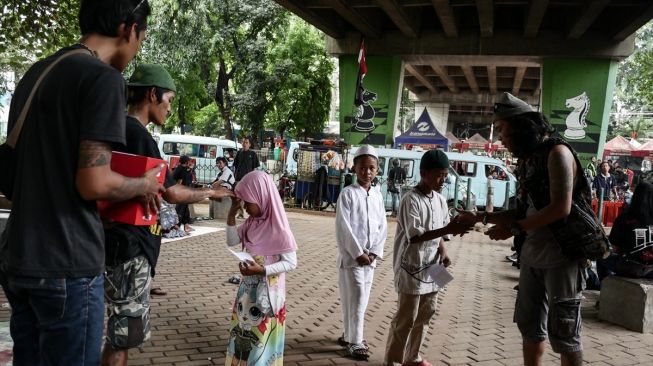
575 121
370 118
364 120
576 99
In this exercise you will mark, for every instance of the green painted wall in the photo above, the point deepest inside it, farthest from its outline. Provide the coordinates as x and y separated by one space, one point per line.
384 74
564 79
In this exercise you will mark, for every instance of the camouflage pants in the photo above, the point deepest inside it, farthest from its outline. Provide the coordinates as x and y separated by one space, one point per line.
127 292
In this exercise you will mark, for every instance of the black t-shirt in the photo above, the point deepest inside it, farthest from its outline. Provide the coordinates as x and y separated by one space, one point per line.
245 162
622 235
140 142
397 176
52 231
184 174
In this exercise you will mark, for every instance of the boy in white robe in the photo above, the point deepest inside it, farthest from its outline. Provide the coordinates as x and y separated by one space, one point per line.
361 231
422 223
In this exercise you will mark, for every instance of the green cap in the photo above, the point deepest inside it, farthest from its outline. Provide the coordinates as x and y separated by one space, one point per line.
152 75
434 159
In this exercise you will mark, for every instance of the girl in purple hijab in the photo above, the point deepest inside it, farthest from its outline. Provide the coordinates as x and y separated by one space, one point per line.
257 329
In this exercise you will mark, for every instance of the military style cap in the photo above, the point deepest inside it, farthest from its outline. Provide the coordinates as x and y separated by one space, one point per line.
434 159
510 106
152 75
366 150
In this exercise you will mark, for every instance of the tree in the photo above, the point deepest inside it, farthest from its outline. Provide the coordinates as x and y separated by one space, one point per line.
300 71
221 41
633 96
32 30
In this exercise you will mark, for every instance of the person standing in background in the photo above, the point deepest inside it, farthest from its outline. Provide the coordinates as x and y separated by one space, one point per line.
183 175
245 161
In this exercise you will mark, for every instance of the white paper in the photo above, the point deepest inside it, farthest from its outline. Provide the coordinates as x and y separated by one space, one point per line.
242 256
439 274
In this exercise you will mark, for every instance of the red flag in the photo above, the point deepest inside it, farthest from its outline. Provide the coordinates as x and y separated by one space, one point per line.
361 59
362 70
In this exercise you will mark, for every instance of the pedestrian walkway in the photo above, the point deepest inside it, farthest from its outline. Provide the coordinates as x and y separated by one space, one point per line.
473 325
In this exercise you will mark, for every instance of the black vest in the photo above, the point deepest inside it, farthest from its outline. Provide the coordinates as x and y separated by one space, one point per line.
533 175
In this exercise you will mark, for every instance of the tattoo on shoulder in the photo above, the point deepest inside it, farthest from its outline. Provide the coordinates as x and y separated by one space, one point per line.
93 154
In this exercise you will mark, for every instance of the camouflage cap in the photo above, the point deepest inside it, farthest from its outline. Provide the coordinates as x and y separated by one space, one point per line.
152 75
510 106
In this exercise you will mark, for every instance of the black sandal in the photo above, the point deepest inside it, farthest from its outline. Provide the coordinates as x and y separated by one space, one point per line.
357 352
343 343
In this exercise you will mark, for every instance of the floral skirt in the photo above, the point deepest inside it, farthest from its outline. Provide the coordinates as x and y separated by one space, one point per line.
256 335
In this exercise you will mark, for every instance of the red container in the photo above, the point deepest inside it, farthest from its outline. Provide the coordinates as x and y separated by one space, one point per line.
130 212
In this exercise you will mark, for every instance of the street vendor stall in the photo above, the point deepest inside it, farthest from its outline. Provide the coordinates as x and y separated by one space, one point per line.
474 143
318 175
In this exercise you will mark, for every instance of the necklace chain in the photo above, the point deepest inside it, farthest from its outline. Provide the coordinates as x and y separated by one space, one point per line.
92 52
426 195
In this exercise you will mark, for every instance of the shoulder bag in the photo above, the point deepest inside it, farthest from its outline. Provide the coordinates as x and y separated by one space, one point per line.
7 150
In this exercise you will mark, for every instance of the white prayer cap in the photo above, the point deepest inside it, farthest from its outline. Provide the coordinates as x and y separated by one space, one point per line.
366 150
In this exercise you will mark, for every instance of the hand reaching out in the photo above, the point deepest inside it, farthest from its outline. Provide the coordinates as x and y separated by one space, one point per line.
469 218
458 228
499 232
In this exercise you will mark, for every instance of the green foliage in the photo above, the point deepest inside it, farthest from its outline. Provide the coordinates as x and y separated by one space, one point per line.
32 30
300 70
633 96
248 62
208 121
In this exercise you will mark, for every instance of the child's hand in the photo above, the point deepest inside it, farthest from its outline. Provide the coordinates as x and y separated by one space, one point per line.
466 217
458 228
249 268
372 257
363 260
444 258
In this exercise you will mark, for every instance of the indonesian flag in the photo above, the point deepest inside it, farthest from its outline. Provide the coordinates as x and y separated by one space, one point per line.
362 70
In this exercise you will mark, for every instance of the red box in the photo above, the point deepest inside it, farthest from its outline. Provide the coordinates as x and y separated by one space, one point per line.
130 212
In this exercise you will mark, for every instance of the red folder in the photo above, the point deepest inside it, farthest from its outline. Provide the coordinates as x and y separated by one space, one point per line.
130 212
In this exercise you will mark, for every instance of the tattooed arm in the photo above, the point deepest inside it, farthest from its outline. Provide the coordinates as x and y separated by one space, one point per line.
562 169
95 180
182 194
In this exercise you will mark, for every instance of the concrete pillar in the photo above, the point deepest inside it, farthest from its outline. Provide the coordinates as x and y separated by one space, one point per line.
374 122
439 113
577 98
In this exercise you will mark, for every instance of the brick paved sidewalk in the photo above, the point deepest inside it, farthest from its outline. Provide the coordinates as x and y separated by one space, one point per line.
473 325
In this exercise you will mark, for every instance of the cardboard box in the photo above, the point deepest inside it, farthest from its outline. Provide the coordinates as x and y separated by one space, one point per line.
130 212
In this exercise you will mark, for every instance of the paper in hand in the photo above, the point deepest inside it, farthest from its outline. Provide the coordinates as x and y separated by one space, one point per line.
439 274
242 256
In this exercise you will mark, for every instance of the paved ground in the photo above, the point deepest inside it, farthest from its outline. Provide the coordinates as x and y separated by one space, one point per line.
473 325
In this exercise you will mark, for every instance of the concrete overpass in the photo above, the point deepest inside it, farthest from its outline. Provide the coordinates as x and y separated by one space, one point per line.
463 53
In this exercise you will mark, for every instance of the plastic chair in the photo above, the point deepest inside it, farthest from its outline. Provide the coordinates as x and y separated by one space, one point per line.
640 238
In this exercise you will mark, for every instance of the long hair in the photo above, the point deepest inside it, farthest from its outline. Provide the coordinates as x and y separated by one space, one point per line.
527 130
641 206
